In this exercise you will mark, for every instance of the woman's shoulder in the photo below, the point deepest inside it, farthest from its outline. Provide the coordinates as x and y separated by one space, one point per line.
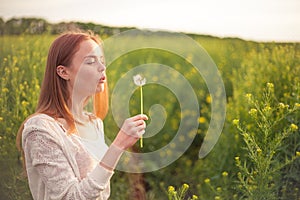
39 122
41 125
39 119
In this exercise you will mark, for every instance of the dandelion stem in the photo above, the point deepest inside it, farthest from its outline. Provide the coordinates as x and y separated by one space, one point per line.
141 89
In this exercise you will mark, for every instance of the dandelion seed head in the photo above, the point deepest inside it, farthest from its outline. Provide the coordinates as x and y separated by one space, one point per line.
139 80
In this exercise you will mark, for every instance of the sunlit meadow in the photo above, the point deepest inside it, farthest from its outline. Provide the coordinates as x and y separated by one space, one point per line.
256 157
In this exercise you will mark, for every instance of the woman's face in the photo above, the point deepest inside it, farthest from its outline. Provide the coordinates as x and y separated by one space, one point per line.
87 71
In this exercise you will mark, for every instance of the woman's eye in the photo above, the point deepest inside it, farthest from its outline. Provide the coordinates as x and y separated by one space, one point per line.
90 61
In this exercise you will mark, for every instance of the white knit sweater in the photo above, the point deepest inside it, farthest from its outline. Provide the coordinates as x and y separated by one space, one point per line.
59 166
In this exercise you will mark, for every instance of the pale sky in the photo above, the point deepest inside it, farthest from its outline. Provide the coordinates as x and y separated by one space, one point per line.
259 20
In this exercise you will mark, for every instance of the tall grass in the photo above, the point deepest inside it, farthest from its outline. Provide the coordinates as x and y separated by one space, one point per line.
237 168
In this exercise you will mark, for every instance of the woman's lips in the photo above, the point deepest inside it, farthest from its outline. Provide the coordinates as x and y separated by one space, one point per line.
102 79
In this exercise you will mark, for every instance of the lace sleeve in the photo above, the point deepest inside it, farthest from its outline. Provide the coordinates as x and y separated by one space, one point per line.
49 159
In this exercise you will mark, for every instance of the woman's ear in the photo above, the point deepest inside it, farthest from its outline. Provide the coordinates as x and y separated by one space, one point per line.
62 71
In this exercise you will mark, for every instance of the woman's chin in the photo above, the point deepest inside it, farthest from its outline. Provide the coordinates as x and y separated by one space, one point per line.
100 88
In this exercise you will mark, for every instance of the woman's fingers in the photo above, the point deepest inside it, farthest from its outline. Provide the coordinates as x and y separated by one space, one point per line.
139 117
140 123
132 129
135 126
139 130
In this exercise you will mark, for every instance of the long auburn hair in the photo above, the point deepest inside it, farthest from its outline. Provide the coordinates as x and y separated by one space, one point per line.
54 95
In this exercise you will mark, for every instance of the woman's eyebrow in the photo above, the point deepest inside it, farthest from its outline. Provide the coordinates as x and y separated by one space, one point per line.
90 56
93 56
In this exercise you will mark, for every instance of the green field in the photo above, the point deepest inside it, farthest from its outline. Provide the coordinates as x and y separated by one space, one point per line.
256 156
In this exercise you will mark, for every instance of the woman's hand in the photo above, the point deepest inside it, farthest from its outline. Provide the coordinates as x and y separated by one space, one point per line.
132 129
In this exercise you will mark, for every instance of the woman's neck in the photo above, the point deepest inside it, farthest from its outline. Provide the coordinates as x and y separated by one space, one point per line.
77 109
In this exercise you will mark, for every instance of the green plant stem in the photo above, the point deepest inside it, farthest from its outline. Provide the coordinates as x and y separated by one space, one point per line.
141 139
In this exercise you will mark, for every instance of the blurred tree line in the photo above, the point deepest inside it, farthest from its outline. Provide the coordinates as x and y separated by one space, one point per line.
18 26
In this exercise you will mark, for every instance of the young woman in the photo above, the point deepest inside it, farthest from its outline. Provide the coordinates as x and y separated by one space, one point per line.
65 154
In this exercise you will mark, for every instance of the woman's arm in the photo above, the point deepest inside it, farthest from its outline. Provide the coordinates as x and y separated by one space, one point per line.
46 157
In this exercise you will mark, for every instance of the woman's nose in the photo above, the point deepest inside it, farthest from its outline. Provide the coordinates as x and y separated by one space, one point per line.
101 67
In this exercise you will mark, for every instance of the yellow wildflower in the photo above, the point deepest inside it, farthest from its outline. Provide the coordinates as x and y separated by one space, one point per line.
171 188
246 136
270 85
294 127
181 138
235 121
248 96
225 174
4 90
16 69
194 197
162 154
25 103
185 187
297 153
267 108
253 112
258 150
281 105
208 99
202 120
172 145
207 180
